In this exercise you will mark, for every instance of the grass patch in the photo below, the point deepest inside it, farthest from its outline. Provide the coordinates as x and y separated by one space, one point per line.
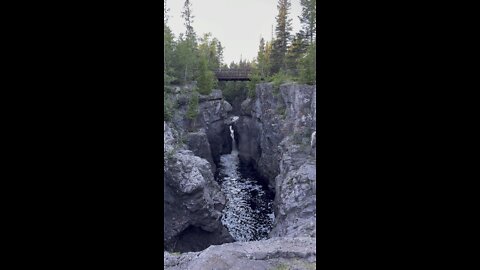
282 267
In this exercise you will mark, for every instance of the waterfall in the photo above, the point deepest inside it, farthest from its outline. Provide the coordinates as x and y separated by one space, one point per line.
234 145
248 213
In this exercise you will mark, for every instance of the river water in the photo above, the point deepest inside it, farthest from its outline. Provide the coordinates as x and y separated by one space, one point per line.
248 214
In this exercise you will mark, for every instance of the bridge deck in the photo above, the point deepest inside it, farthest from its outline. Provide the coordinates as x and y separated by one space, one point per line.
233 74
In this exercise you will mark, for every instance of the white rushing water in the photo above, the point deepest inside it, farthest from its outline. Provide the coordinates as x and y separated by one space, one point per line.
248 214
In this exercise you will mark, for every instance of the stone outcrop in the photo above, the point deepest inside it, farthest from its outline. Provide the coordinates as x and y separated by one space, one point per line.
295 199
275 133
274 253
192 199
214 111
198 143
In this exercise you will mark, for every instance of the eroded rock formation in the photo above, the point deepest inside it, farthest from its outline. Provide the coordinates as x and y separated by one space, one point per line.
275 134
192 199
274 253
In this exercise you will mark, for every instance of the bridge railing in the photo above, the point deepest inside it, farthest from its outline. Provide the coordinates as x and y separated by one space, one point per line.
232 73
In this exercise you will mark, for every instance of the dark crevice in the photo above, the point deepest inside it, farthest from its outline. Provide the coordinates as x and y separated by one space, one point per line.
194 239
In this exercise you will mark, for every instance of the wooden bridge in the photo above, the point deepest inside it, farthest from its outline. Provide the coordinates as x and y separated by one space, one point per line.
239 74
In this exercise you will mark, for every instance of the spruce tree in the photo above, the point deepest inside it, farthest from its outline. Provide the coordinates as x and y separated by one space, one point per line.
295 52
190 42
261 58
205 78
283 36
307 65
308 19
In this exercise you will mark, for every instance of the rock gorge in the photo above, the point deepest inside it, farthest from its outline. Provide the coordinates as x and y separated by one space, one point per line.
275 135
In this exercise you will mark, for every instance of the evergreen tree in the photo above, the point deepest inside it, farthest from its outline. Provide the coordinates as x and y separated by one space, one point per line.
206 77
188 17
188 51
185 59
307 65
168 48
308 19
261 58
268 57
283 36
220 53
192 110
295 52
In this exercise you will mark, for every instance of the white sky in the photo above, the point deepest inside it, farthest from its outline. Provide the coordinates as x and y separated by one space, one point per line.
237 24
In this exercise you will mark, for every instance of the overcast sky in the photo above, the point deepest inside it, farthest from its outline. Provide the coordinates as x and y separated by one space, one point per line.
238 24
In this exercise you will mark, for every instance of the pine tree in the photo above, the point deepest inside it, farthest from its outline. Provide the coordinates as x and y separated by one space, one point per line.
220 53
188 17
308 19
206 77
261 58
307 65
192 110
190 41
268 57
295 52
168 47
283 36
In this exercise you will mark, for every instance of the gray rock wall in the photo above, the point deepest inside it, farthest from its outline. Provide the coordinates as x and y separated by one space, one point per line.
192 199
274 253
275 133
210 123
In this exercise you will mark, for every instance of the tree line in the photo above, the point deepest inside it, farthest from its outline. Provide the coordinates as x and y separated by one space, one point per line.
189 57
286 57
289 56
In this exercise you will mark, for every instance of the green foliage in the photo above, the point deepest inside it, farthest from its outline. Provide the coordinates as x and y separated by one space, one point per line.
308 19
192 110
206 77
185 59
234 90
278 79
295 52
282 267
251 93
167 79
212 50
188 17
277 57
255 78
283 36
262 59
167 108
307 66
283 59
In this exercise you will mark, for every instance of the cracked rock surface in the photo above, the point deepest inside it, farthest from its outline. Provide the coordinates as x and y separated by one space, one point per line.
289 253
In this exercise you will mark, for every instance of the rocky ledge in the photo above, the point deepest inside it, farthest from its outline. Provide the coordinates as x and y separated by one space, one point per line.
274 253
193 200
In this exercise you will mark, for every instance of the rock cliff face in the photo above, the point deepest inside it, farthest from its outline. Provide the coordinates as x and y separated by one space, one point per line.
192 198
276 134
274 253
208 136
